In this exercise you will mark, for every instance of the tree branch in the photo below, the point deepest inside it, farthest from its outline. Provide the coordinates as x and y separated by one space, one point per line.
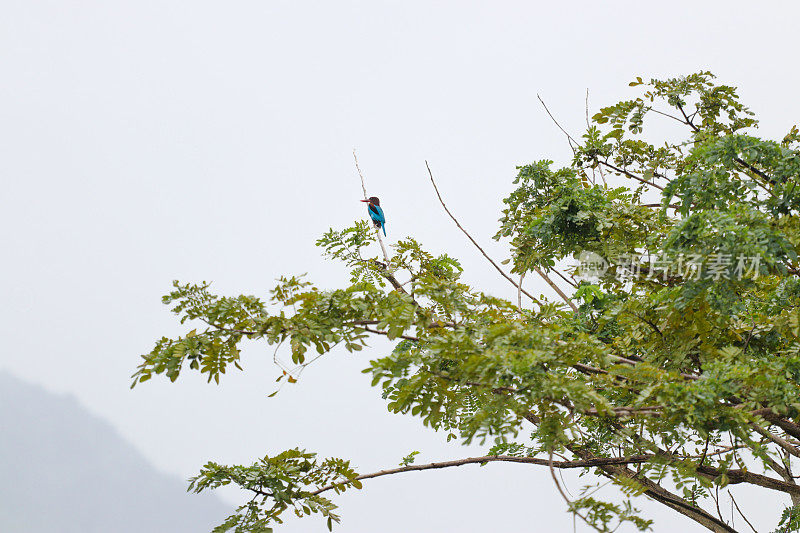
630 175
556 288
652 489
563 495
490 459
783 443
789 427
688 121
500 270
743 476
570 140
741 513
386 333
739 160
377 230
755 171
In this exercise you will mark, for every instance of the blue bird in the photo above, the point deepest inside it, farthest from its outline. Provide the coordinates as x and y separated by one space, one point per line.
376 213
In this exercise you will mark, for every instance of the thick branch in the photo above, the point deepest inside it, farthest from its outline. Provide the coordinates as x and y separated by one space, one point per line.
743 476
652 489
783 443
789 427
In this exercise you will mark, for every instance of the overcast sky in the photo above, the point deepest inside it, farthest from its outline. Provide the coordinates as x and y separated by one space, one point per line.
146 141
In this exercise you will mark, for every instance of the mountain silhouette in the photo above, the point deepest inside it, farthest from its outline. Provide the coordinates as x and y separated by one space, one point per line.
64 470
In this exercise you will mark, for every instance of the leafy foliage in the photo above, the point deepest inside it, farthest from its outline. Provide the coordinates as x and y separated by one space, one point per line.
278 483
672 382
409 459
790 520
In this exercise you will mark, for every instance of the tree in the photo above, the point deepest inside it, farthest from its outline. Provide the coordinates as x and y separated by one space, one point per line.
673 370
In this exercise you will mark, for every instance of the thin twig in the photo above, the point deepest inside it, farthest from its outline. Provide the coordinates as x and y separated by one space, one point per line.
716 502
562 276
569 137
500 270
588 127
654 110
631 175
566 499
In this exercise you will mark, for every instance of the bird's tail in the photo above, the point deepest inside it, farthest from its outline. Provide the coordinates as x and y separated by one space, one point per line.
383 227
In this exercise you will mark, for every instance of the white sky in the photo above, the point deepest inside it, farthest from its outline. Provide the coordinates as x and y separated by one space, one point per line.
147 141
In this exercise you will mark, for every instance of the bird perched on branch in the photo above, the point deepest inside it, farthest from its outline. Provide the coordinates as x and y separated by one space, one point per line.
376 213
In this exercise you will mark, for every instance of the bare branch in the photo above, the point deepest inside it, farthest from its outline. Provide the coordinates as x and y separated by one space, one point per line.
587 109
715 496
654 110
609 165
630 175
500 270
556 288
493 458
569 137
566 499
562 276
740 512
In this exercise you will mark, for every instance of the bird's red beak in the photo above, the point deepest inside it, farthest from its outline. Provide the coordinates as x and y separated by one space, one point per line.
364 201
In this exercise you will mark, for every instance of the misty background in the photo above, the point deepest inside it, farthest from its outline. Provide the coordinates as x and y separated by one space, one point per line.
147 141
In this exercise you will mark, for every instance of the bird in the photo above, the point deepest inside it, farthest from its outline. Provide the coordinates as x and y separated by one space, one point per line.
376 213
